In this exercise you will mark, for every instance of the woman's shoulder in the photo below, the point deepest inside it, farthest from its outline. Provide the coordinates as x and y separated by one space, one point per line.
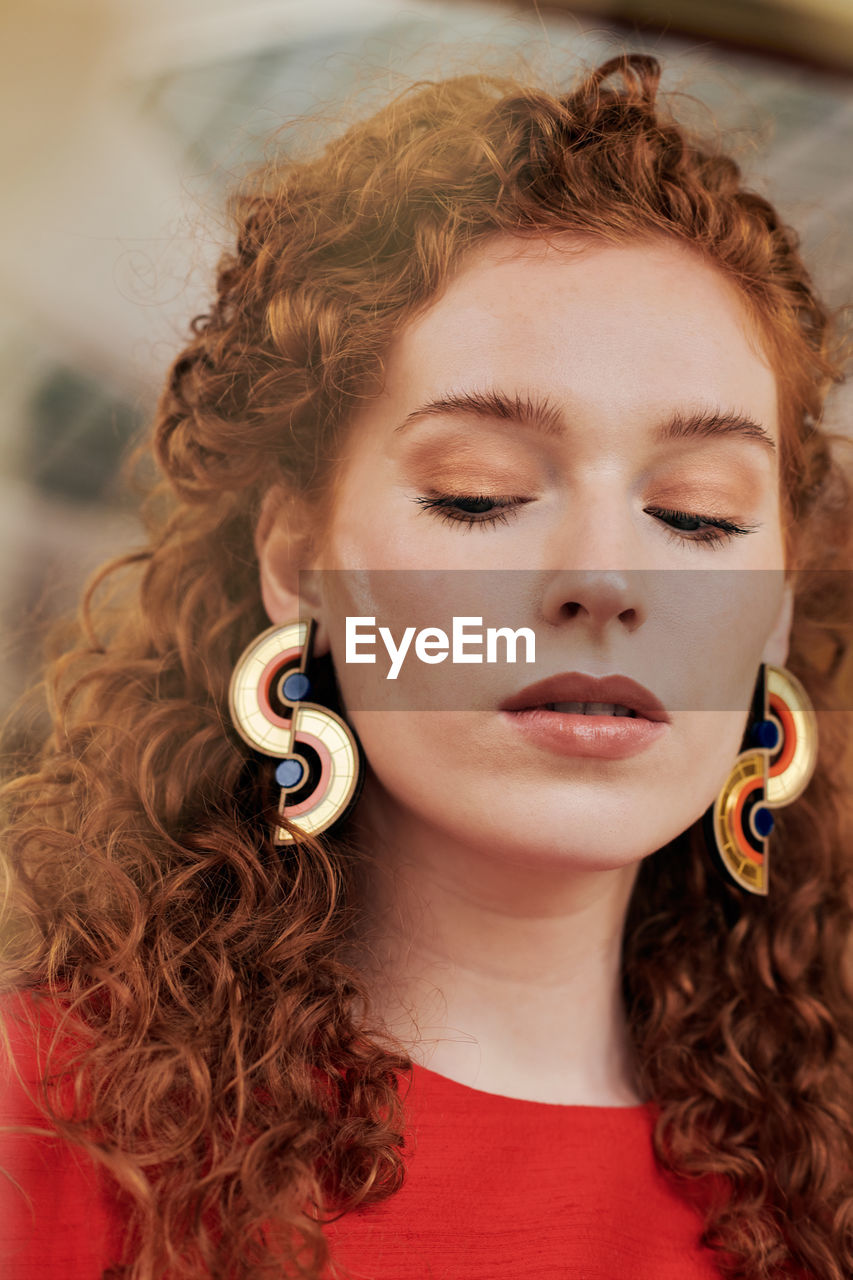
31 1009
39 1039
56 1217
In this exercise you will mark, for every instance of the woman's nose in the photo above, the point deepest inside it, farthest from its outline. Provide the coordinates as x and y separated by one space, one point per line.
595 597
597 576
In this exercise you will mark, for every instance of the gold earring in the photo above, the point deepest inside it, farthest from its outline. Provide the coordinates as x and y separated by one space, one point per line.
320 768
774 769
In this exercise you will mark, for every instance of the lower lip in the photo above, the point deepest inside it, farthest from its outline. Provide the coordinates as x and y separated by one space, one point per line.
605 737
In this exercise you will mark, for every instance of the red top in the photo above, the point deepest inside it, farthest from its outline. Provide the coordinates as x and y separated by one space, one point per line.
501 1187
495 1187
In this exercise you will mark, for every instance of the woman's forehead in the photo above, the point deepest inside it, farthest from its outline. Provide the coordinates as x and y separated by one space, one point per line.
506 273
612 327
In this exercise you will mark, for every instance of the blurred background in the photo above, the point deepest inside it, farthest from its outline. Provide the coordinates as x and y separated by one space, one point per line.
124 125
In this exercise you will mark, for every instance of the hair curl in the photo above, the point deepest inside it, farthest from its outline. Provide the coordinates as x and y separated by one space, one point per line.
204 968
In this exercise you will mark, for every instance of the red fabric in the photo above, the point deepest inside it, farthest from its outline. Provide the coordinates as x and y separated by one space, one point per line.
495 1187
499 1187
57 1221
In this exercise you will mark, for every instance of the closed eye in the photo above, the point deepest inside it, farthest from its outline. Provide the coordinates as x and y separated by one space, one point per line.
493 509
482 509
686 526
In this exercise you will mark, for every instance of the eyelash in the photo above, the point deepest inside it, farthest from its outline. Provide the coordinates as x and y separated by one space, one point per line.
715 533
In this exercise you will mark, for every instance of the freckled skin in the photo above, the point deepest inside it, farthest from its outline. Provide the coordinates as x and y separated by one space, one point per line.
616 337
491 828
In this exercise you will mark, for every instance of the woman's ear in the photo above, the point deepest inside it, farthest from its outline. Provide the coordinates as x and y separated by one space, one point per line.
776 648
283 545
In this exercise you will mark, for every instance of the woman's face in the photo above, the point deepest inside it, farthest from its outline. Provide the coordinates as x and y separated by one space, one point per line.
581 405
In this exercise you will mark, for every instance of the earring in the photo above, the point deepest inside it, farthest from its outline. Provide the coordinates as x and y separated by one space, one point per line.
774 768
320 769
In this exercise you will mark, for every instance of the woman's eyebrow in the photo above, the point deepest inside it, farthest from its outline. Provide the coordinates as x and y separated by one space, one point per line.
529 410
540 414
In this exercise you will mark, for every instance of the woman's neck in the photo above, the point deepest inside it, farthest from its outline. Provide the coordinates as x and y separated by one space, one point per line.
497 973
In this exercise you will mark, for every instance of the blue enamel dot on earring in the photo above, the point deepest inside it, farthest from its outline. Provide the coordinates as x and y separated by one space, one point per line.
765 733
289 773
296 686
762 820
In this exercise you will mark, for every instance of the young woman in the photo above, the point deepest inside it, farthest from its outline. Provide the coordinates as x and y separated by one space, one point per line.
491 968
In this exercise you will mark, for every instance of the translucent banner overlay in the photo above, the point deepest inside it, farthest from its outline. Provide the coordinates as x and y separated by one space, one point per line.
471 639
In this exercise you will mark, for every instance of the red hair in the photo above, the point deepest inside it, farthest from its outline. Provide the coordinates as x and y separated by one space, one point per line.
145 894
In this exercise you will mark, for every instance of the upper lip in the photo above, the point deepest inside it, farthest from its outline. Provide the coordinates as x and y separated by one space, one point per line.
576 686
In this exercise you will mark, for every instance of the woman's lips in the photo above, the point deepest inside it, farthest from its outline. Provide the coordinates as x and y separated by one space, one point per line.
607 737
581 687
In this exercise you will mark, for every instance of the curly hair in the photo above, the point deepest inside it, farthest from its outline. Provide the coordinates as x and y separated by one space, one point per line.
204 968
